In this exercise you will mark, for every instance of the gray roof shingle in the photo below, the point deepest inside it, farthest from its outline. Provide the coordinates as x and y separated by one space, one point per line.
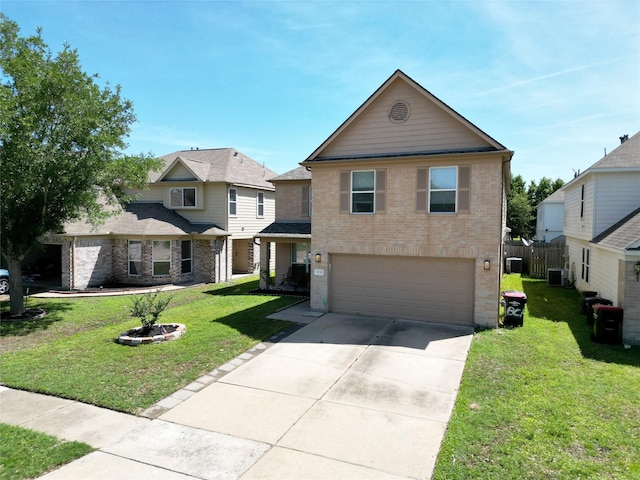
625 155
219 165
290 229
300 173
144 219
623 235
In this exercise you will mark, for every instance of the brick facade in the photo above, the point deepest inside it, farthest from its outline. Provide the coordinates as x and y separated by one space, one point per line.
93 262
403 231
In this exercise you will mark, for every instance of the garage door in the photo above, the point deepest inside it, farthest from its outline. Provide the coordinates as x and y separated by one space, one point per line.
430 289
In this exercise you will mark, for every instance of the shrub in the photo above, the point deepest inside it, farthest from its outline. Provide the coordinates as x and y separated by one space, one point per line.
148 307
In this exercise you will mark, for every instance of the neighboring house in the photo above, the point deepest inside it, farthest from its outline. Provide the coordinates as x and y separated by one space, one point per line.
409 209
602 229
196 222
291 233
550 217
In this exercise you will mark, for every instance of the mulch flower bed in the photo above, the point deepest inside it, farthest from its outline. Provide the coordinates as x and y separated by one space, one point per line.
158 333
29 314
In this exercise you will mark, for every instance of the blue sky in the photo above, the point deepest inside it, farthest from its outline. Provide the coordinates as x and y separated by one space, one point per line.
558 82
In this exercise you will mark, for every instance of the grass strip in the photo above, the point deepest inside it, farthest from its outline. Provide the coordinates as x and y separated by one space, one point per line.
25 453
73 354
544 401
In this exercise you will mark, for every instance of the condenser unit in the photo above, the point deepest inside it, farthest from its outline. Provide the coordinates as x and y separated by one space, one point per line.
557 277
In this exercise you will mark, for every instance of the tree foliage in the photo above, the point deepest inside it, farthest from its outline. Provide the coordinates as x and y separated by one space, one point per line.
62 137
522 202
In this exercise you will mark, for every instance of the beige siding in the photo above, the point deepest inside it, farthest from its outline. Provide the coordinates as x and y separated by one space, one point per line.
401 231
153 194
247 223
179 172
428 128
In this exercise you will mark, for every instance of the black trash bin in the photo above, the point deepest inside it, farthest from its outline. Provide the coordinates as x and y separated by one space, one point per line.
514 303
586 294
590 302
607 324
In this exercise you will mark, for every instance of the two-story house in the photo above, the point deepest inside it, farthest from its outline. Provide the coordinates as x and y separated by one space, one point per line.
409 208
195 222
602 229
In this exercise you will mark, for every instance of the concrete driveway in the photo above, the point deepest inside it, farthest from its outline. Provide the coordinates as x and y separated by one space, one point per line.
343 397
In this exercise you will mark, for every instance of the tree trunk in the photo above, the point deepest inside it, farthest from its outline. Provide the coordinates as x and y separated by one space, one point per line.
16 299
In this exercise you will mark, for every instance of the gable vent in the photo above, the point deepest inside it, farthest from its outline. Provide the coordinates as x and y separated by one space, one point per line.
399 111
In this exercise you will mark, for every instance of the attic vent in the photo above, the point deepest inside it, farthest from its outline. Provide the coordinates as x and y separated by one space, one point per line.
399 111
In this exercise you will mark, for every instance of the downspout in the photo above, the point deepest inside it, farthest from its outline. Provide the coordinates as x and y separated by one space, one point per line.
72 264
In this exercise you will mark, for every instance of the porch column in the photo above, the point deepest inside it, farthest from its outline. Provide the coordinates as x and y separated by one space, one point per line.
265 264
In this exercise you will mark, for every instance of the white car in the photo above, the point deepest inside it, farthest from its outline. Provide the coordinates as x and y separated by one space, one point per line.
4 281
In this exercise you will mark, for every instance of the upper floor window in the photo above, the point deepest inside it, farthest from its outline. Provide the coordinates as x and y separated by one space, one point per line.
306 201
363 186
233 201
444 189
362 191
582 200
183 197
260 204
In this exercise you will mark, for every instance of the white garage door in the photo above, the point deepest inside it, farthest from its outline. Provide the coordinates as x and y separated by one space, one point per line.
430 289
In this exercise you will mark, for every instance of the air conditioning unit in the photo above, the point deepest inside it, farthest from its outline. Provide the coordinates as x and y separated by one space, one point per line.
514 265
557 277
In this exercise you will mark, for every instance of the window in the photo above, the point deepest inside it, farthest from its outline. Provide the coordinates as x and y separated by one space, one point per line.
300 253
135 257
586 264
186 256
183 197
161 257
582 200
442 189
233 201
260 200
363 191
306 201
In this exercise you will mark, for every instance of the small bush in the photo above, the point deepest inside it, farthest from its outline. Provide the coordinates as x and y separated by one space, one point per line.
148 308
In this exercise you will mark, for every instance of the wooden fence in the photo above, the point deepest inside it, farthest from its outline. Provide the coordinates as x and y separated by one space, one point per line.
538 258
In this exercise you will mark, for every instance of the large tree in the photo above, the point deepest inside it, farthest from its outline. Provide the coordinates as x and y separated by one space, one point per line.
62 137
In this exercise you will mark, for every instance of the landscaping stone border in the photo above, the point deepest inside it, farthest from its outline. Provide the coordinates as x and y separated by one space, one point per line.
126 339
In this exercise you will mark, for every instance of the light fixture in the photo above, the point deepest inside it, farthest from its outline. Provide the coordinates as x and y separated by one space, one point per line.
487 264
636 270
318 257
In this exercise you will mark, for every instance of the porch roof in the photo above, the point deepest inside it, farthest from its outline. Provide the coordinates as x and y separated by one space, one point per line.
286 230
144 219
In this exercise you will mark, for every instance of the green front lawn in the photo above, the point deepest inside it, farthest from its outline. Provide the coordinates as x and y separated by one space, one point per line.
71 353
28 454
544 401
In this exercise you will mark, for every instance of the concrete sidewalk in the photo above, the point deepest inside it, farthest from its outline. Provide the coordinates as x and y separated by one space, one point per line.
342 397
